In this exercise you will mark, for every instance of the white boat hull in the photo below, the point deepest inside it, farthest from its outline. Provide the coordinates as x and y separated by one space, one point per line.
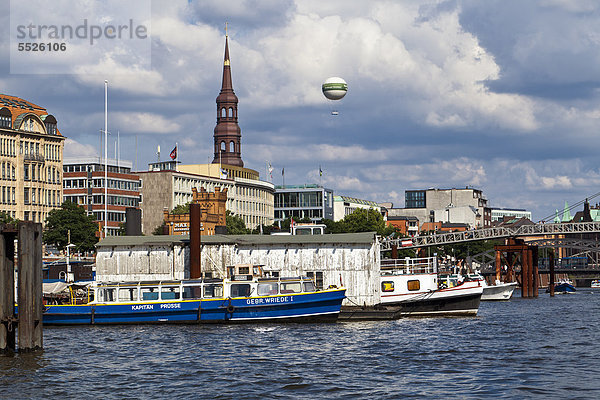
501 291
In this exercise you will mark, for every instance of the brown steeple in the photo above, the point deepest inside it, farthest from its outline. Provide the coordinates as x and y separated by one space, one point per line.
227 136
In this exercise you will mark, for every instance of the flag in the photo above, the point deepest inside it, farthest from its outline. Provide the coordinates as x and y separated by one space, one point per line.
271 170
282 171
223 173
174 153
320 171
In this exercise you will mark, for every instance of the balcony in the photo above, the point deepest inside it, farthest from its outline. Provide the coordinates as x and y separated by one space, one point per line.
34 157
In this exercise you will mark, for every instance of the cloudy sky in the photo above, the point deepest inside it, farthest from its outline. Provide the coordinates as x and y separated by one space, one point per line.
500 95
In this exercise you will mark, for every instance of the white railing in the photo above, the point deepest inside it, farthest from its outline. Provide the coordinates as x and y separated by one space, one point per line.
407 266
491 233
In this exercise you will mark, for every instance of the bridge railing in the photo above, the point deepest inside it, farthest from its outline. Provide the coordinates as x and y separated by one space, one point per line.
490 233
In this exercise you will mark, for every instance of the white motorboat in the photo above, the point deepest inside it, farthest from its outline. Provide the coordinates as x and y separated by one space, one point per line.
497 291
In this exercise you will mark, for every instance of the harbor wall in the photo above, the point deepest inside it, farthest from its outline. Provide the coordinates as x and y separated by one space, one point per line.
349 260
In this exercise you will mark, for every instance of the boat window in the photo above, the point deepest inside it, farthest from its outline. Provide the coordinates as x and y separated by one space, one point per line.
240 290
213 291
106 295
169 293
309 286
127 294
387 286
317 276
267 288
192 292
150 293
291 287
414 284
243 270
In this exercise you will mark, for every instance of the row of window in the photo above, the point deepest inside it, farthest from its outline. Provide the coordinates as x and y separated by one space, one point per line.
39 196
112 216
95 168
39 173
301 199
52 152
99 183
315 214
8 147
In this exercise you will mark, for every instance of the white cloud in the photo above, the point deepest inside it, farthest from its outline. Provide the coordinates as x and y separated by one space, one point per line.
140 122
76 149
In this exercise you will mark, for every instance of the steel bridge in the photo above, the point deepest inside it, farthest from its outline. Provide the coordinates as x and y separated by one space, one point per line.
441 239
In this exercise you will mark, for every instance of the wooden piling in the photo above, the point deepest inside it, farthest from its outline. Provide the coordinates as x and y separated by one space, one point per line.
552 278
195 226
8 325
535 271
498 265
524 273
30 286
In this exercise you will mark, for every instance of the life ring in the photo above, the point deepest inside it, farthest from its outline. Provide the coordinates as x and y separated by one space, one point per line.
230 308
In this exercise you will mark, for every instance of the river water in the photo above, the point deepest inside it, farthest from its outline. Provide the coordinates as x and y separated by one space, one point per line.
523 348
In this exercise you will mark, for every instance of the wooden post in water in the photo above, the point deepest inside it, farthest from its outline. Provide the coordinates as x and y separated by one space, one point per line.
535 271
195 225
551 283
30 286
498 265
8 324
524 273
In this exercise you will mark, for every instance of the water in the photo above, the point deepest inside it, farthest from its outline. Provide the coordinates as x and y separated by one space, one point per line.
524 348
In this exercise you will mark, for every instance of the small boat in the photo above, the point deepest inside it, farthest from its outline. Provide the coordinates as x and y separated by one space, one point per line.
563 287
413 288
497 292
245 296
595 283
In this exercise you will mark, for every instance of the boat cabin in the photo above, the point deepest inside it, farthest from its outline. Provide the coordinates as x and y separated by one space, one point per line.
245 280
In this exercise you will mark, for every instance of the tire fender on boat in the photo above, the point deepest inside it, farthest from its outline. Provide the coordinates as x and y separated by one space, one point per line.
230 308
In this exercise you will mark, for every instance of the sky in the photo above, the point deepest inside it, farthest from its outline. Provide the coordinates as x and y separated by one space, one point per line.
498 95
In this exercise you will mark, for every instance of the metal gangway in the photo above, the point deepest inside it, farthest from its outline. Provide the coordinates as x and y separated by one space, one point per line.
440 239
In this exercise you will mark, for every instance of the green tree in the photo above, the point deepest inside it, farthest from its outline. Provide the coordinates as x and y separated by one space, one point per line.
70 217
235 224
181 209
363 220
7 219
159 230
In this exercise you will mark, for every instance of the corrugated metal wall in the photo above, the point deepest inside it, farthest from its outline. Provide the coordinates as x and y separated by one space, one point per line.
355 266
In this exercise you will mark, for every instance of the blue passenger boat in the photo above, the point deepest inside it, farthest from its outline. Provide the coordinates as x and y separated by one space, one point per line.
240 298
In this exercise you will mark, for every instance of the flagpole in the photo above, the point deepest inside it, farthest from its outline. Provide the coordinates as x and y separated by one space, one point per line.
105 157
176 155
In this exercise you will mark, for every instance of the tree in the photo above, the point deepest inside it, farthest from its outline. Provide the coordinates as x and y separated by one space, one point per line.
363 220
235 224
181 209
7 219
159 230
70 217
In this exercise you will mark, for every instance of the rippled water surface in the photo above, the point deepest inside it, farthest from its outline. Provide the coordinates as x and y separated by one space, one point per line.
535 348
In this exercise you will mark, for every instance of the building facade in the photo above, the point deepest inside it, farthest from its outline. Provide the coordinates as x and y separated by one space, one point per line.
466 205
498 214
250 199
305 201
84 183
213 214
345 205
31 153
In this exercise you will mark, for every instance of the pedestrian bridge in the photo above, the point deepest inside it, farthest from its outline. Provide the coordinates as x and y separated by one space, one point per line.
441 239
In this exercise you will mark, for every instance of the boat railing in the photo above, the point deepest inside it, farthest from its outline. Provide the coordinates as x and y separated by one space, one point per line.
408 266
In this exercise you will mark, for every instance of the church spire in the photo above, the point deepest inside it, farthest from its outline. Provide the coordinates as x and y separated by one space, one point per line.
227 135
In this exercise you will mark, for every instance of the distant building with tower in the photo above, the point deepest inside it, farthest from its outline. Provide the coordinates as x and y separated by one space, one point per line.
168 184
31 160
